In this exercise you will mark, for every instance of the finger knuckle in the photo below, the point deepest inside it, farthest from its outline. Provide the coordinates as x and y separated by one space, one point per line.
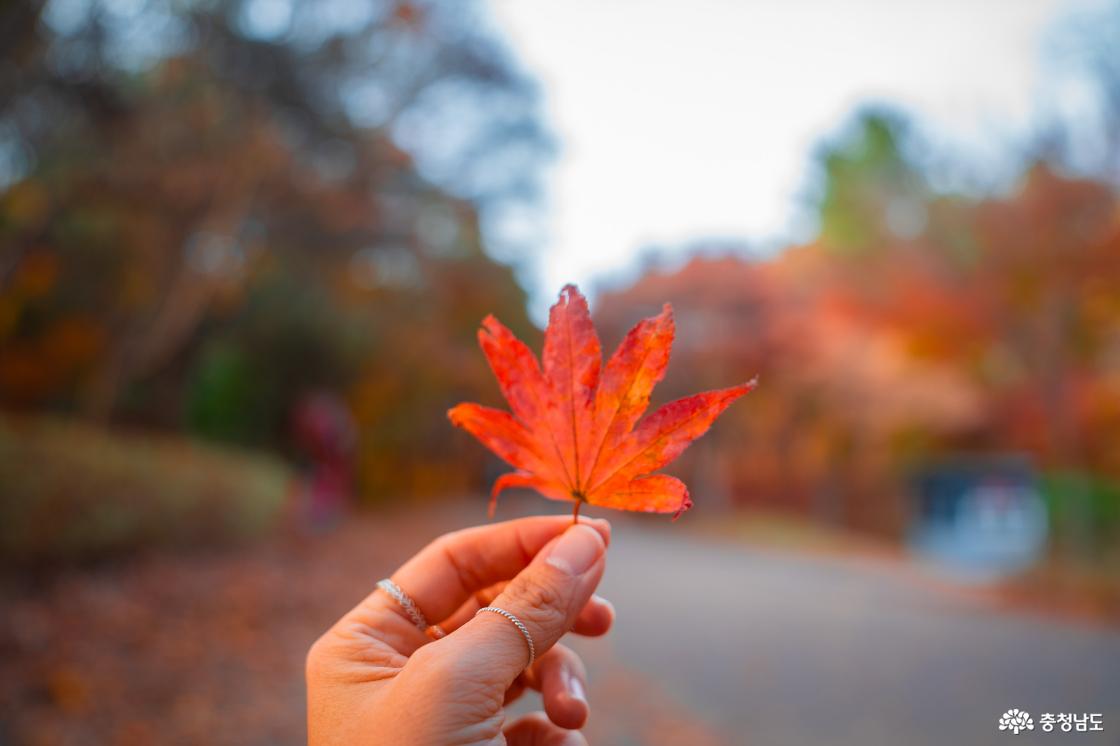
316 659
540 603
439 544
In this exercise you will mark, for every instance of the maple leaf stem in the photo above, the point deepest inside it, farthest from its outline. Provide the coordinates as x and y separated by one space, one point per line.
575 512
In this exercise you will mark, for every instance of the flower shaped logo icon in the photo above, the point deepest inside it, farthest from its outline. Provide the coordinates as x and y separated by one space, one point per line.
1016 720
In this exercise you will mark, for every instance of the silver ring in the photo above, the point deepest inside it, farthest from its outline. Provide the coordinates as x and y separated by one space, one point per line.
520 626
406 603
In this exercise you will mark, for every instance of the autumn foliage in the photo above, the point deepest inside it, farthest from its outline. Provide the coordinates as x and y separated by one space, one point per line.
194 246
574 433
993 331
201 242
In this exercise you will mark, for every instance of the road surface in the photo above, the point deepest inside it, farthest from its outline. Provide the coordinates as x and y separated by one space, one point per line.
717 643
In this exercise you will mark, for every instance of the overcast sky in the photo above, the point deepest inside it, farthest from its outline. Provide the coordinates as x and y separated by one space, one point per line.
684 119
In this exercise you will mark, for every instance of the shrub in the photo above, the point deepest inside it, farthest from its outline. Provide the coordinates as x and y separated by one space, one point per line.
1084 509
71 491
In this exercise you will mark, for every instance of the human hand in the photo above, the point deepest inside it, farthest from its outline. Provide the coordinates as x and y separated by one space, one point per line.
374 677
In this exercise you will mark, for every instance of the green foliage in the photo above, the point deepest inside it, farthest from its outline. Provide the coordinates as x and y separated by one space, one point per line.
221 400
872 192
72 492
1084 508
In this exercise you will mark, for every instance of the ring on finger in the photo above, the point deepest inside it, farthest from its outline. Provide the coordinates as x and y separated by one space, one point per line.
411 609
520 628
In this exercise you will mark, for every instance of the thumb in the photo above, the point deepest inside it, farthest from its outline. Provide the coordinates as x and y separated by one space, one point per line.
546 597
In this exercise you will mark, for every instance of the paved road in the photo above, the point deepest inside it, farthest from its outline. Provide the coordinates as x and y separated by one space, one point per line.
721 644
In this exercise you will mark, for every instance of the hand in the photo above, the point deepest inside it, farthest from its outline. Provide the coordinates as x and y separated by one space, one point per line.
375 678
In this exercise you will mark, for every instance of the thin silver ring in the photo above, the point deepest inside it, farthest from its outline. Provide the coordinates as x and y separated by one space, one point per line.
520 626
406 603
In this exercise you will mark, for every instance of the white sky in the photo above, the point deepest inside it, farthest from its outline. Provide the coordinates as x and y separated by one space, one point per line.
685 119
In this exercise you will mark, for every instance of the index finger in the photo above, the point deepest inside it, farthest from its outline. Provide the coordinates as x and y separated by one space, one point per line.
449 570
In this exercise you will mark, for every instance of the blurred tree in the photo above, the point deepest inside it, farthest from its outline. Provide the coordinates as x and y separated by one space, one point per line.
431 74
210 208
994 329
871 193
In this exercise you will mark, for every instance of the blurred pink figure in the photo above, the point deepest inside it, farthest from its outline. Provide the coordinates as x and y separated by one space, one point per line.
324 432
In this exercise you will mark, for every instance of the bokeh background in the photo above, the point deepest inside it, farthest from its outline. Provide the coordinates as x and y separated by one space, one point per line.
245 246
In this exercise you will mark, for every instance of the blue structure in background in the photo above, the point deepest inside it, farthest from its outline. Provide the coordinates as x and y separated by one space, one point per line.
979 518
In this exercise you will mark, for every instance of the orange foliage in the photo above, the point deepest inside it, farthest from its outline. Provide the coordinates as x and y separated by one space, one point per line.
574 432
875 361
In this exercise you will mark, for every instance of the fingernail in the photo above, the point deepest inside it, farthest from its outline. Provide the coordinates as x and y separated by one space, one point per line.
606 526
604 602
576 550
574 687
602 524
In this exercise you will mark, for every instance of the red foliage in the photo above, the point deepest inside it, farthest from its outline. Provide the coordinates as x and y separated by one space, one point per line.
574 432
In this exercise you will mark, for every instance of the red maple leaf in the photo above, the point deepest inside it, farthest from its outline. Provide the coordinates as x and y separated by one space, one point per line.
574 432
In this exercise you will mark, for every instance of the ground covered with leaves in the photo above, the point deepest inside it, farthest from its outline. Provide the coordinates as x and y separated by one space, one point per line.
184 648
